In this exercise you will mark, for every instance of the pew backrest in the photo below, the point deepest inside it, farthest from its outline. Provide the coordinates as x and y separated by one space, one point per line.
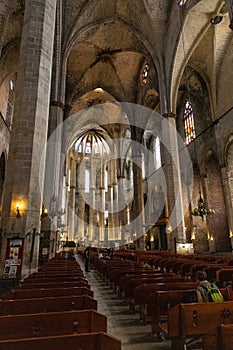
198 318
52 323
86 341
46 292
47 304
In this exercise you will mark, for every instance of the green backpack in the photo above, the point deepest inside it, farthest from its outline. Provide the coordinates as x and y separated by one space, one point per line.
213 294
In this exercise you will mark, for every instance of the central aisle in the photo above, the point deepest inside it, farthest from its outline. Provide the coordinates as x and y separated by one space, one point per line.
121 323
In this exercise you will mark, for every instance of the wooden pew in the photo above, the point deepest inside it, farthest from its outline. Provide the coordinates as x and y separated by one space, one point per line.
124 280
211 271
162 301
106 264
132 284
225 337
143 294
61 269
60 274
38 284
54 279
85 341
228 293
46 292
51 323
47 304
115 274
188 322
224 276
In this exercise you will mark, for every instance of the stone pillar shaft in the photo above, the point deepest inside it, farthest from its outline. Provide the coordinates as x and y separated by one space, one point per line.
29 131
173 179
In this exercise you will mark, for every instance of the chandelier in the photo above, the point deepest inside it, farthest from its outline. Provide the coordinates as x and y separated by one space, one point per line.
201 210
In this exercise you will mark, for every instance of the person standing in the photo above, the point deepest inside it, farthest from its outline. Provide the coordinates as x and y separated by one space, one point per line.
87 255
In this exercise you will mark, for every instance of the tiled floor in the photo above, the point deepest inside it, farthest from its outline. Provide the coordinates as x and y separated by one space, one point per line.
122 324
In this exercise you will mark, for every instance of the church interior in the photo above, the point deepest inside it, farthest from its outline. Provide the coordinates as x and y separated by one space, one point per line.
116 134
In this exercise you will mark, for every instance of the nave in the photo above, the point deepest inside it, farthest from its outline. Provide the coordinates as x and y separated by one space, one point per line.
122 324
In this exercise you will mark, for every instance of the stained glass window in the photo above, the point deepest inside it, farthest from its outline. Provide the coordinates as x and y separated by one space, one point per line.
145 73
189 123
181 2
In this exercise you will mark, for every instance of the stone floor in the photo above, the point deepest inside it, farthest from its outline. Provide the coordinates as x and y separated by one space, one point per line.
122 324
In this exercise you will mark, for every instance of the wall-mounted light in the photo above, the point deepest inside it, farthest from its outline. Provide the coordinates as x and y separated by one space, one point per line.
18 215
44 212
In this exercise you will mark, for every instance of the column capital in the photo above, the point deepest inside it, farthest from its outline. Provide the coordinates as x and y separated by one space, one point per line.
170 115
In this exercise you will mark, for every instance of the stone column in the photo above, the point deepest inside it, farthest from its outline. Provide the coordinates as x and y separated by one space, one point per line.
115 211
170 157
54 169
102 205
111 233
81 200
230 9
92 198
137 215
121 206
25 168
228 195
71 200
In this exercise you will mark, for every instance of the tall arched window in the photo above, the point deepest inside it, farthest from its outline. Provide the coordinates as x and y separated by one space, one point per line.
157 153
87 180
2 175
145 73
189 123
181 2
10 103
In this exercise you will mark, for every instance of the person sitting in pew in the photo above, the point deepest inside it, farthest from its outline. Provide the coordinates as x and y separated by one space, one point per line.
206 291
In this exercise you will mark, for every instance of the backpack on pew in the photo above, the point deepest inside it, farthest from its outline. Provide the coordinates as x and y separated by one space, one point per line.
212 293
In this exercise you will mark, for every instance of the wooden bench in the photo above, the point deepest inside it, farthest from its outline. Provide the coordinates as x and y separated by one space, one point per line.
225 337
57 269
58 274
46 292
51 323
54 279
132 284
47 304
161 301
124 280
189 322
106 264
85 341
224 276
47 284
143 292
